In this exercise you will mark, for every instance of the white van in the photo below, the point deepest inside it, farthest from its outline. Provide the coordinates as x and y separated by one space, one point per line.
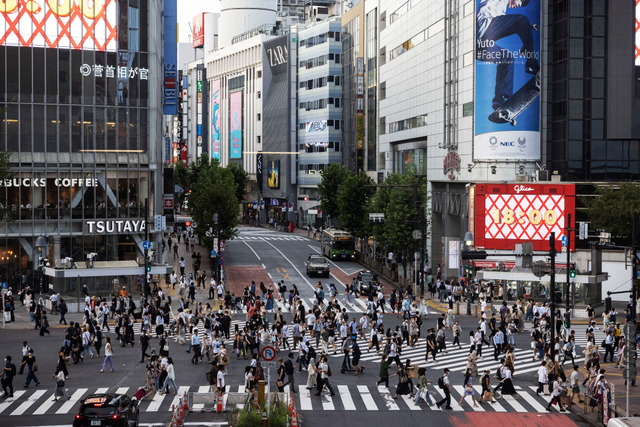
624 422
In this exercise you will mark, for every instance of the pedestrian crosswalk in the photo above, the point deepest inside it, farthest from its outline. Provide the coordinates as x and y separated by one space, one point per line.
347 398
268 237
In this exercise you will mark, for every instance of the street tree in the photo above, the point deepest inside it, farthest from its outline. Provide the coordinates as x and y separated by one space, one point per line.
214 191
181 178
613 208
241 178
353 200
332 178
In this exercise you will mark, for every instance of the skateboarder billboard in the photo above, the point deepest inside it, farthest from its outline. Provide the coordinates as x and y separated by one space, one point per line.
507 85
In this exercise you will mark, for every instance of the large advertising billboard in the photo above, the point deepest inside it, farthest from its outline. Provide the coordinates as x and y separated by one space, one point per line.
507 80
637 32
171 82
506 214
235 125
70 24
215 119
198 30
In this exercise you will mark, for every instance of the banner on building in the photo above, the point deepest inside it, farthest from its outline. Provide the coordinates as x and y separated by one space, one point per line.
215 119
235 125
198 30
273 171
171 82
506 214
507 81
259 171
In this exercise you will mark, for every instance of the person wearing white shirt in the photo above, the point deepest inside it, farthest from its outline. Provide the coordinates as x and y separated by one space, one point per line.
173 279
195 344
86 343
543 377
556 394
220 384
171 378
220 291
311 320
478 342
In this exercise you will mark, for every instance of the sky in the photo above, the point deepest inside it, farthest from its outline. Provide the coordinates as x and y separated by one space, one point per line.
187 9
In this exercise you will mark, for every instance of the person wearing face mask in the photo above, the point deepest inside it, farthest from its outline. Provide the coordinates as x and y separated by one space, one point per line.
7 377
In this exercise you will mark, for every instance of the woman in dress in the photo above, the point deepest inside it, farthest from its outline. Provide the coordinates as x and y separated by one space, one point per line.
151 381
468 388
424 307
510 360
507 384
311 374
269 305
60 390
181 331
62 363
164 345
403 382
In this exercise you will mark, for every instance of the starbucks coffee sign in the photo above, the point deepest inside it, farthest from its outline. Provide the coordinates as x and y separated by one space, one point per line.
115 226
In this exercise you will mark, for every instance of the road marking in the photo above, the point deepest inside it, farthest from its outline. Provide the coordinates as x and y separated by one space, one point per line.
122 390
254 252
496 406
455 406
181 391
347 401
362 305
531 400
155 403
388 400
48 403
66 407
513 402
30 401
365 394
410 403
292 265
202 389
305 399
327 402
16 394
467 399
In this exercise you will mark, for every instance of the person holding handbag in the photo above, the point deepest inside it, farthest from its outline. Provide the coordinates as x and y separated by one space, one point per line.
403 382
60 390
468 388
487 394
30 361
62 363
423 388
281 374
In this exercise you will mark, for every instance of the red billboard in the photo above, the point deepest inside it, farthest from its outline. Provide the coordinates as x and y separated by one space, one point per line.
198 30
506 214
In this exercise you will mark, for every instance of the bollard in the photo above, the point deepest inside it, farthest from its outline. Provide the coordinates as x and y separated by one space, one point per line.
468 307
294 419
255 399
458 307
265 420
185 402
261 392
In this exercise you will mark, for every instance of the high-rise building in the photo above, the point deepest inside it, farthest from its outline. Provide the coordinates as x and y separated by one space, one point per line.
82 117
319 98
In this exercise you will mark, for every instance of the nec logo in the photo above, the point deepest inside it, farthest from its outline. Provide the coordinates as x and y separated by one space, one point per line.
507 144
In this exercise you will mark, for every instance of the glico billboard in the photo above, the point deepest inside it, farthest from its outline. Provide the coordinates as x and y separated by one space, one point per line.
71 24
506 214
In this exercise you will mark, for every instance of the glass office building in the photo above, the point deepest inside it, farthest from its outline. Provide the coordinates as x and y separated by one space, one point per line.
80 117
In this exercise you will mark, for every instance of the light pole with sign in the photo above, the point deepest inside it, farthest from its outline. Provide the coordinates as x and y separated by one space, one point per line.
268 354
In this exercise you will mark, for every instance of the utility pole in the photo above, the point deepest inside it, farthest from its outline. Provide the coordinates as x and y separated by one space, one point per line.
634 270
567 314
552 284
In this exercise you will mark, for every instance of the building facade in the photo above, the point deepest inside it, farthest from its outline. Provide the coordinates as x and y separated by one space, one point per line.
83 122
319 98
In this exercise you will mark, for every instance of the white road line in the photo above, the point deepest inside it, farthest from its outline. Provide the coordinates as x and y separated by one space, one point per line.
48 403
495 406
467 399
365 394
454 405
242 389
513 402
305 399
66 407
254 252
388 400
7 402
102 390
531 400
347 401
327 402
361 303
410 403
155 403
122 390
27 404
201 389
181 391
292 265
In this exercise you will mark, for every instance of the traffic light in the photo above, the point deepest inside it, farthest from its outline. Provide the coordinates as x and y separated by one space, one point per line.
147 265
306 199
572 271
474 254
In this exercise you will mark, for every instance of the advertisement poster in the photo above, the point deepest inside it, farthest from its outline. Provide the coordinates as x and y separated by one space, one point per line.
273 171
507 80
507 214
235 125
56 24
215 119
198 30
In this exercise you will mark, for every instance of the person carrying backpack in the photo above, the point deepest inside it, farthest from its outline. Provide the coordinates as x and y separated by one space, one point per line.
443 383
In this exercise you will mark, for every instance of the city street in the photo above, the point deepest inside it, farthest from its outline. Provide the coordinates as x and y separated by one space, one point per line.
282 255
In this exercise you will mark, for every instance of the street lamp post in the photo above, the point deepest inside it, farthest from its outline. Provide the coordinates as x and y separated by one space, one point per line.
216 217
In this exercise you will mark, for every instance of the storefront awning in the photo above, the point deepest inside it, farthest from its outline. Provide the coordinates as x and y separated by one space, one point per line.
105 269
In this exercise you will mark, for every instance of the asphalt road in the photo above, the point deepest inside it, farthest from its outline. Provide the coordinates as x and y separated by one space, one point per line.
357 400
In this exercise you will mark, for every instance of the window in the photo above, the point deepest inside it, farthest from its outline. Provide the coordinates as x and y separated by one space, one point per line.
337 37
303 64
258 139
337 58
337 124
329 122
259 94
337 80
330 78
259 74
336 146
301 126
336 103
383 90
331 57
258 116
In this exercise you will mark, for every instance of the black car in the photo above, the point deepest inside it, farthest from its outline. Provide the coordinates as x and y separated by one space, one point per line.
367 282
117 410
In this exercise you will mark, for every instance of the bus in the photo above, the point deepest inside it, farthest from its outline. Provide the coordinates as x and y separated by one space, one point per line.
338 244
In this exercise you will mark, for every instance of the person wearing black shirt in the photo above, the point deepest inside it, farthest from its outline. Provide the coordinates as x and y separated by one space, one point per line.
144 342
31 365
281 374
7 377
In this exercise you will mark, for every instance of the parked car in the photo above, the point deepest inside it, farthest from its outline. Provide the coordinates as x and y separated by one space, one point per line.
367 282
317 264
109 409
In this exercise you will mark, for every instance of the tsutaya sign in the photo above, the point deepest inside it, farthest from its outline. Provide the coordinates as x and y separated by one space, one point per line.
42 182
118 226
